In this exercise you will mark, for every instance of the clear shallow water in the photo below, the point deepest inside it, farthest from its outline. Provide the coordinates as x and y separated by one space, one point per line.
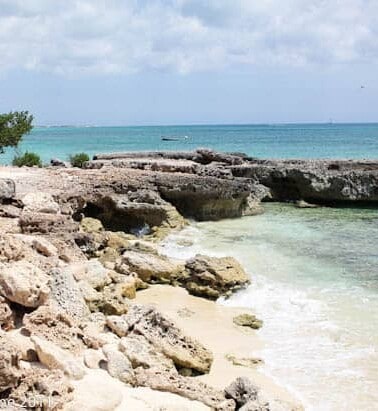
315 285
272 141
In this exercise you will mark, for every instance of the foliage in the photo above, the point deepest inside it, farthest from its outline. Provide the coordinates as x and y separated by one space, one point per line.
27 159
13 126
77 160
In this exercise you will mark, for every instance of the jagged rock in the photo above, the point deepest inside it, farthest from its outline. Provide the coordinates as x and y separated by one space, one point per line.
10 372
118 324
248 320
38 202
171 381
24 284
11 248
115 298
244 362
305 204
9 211
213 277
6 315
93 272
166 337
143 354
7 189
243 392
118 365
45 223
56 162
151 267
44 247
56 326
91 225
66 294
42 390
54 357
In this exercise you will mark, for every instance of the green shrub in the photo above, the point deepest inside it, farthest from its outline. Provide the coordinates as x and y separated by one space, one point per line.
77 160
27 159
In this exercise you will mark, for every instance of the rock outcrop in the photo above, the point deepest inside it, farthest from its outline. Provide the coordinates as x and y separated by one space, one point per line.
213 277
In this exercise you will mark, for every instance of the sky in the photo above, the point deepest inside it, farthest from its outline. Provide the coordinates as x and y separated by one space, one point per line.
136 62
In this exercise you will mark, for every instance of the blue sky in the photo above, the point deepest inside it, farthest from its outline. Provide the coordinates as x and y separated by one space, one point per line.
107 62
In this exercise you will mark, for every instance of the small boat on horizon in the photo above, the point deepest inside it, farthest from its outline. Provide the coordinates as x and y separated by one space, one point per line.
167 138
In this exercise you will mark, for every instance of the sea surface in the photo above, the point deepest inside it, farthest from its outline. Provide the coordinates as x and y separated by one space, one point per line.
315 284
272 141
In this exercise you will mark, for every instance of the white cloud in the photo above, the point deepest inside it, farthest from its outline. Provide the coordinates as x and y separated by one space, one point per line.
101 36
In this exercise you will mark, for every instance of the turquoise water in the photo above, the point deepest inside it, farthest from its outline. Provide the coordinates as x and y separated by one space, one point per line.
273 141
315 284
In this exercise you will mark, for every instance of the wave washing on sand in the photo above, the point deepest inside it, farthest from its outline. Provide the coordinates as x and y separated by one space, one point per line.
319 326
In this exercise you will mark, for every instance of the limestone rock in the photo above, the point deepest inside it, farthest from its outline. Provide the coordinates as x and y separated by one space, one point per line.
118 324
43 390
243 392
66 294
94 358
93 272
213 277
10 372
39 202
7 189
91 225
54 357
151 267
167 338
248 320
24 284
171 381
56 326
44 247
143 354
46 223
6 315
118 365
250 362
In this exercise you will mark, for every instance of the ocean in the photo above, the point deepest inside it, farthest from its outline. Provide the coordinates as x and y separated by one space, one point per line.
315 285
263 141
314 271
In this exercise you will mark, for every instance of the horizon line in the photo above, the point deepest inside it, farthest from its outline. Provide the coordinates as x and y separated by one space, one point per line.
330 123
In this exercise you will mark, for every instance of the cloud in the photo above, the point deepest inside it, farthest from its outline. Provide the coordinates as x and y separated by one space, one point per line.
123 36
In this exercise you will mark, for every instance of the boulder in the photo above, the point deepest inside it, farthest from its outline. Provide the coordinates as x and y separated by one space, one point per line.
167 338
213 277
248 320
24 284
43 390
56 326
66 294
10 356
118 365
91 225
39 202
246 394
151 267
46 223
171 381
143 354
93 272
6 315
7 189
43 246
53 357
94 358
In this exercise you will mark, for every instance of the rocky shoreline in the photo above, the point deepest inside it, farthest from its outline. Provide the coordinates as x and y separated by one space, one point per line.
87 301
